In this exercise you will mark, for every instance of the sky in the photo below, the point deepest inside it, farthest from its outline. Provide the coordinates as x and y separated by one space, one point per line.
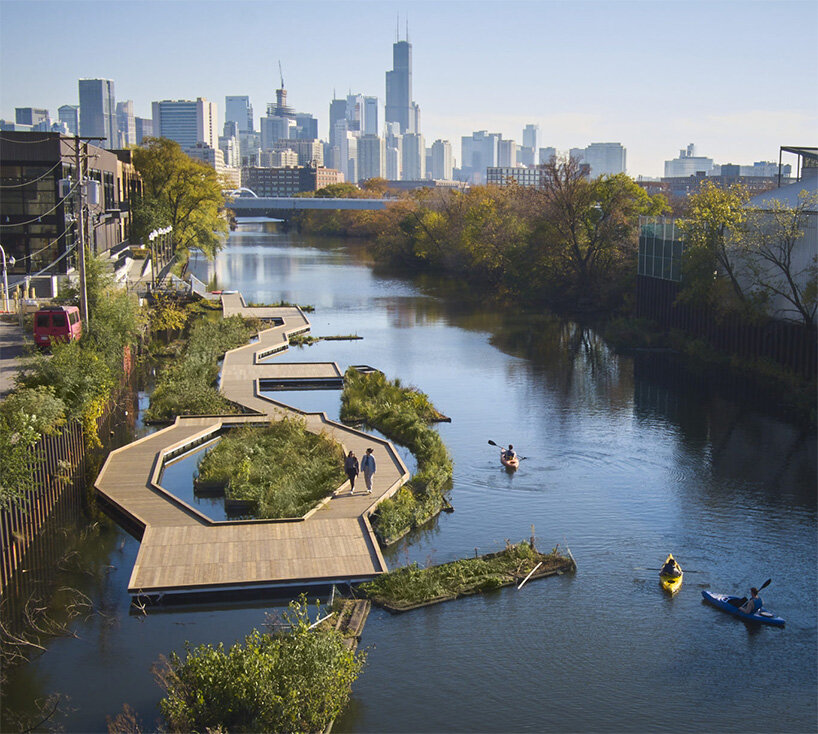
736 78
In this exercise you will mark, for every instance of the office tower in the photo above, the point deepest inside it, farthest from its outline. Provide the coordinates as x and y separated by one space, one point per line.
506 153
273 129
531 134
29 115
310 152
125 124
185 121
479 152
370 116
605 158
546 154
306 126
371 157
70 115
98 111
347 161
144 128
688 164
229 144
337 112
399 105
239 110
441 160
413 159
577 154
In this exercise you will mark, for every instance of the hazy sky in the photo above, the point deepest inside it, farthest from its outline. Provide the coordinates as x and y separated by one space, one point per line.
736 78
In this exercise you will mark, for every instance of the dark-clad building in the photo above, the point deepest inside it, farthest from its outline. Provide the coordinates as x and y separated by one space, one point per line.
37 217
288 181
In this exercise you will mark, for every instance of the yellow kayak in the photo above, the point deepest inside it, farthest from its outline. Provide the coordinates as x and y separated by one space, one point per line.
671 582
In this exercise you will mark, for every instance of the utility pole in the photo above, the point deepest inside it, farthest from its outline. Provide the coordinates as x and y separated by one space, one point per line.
80 217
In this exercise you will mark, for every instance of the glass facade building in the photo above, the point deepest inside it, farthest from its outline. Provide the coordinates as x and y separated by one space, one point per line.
660 248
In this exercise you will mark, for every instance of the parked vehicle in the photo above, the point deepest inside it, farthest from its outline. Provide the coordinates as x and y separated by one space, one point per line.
56 323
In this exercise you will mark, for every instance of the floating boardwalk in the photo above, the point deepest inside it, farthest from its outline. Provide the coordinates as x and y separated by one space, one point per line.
182 551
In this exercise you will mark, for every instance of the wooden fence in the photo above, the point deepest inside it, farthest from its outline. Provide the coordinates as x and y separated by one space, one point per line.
791 345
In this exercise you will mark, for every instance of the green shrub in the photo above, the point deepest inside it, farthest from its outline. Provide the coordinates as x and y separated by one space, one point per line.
282 469
297 681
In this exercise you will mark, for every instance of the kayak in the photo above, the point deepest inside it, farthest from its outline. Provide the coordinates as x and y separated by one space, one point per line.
722 601
512 463
671 584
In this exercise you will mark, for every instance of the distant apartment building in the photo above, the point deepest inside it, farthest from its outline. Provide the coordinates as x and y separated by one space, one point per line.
274 128
309 151
126 124
442 161
371 157
283 158
507 153
69 114
478 152
546 154
30 115
231 150
144 129
98 111
413 158
688 164
394 147
506 175
527 152
188 122
31 167
605 159
239 110
288 181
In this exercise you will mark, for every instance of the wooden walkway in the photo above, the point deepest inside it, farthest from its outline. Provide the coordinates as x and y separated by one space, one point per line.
182 550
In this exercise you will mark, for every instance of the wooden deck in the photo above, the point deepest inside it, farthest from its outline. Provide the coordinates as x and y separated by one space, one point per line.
182 550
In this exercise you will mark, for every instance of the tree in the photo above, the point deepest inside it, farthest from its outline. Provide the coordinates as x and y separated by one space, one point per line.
588 227
712 228
778 259
182 192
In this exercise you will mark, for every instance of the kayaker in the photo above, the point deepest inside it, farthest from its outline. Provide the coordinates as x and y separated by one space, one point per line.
509 453
671 568
754 603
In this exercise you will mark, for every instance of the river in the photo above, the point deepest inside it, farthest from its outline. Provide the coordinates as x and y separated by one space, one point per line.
625 460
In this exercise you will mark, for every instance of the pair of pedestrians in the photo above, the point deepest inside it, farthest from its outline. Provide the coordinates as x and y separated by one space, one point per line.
367 467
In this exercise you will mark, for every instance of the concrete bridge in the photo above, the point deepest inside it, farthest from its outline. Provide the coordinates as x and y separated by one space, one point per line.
245 203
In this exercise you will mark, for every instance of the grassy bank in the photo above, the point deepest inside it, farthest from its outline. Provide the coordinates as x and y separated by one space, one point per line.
282 470
403 415
411 586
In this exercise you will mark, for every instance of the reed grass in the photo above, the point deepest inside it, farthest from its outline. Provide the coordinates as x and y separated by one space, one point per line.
282 470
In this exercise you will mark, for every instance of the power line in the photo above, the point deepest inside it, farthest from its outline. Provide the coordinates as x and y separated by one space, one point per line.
39 178
44 214
53 242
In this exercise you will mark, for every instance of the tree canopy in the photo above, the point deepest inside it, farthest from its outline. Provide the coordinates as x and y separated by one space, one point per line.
181 192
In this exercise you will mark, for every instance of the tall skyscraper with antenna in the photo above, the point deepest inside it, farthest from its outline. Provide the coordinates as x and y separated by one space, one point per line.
399 105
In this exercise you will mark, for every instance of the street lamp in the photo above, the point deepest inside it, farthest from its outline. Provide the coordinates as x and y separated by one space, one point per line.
163 246
6 279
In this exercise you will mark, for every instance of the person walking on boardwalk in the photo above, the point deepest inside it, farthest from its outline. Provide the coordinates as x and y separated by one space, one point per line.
351 469
368 468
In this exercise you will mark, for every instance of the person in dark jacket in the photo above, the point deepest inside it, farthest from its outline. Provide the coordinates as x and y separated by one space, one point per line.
351 469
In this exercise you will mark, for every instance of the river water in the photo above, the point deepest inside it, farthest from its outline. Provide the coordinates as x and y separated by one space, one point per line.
626 460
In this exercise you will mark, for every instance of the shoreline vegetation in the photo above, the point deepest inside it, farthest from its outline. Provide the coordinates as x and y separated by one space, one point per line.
279 471
412 587
404 416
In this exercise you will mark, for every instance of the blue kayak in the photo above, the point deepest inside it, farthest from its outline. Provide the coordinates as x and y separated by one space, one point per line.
722 601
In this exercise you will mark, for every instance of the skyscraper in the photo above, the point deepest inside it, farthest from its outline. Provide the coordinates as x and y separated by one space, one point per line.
185 121
238 109
70 115
126 124
98 111
605 158
442 160
413 157
399 105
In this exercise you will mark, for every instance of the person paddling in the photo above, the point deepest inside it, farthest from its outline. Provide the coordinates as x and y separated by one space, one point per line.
753 604
509 453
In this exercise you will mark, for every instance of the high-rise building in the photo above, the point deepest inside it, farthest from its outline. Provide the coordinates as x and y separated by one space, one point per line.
369 124
478 152
273 129
348 154
507 153
688 164
187 122
98 111
441 160
371 157
70 115
125 124
605 158
29 115
337 112
546 154
399 105
306 126
239 110
413 158
144 128
531 135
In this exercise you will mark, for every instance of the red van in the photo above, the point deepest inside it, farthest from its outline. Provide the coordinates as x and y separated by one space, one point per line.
56 322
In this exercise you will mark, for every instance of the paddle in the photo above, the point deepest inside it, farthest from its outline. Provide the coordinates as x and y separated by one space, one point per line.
491 443
743 600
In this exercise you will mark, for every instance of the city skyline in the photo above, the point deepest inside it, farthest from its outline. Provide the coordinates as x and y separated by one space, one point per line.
654 77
